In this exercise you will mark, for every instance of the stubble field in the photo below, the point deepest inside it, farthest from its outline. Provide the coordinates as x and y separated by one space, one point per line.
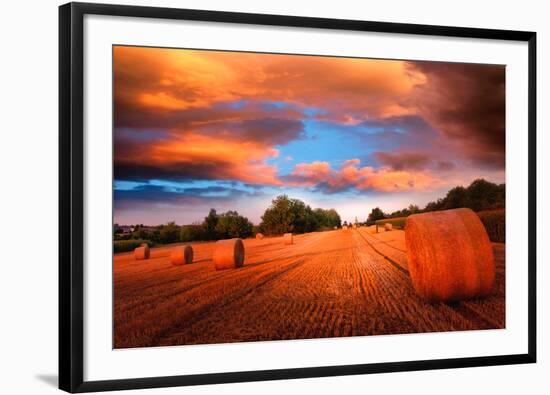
327 284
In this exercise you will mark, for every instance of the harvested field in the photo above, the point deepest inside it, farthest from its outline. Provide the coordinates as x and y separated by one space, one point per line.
326 284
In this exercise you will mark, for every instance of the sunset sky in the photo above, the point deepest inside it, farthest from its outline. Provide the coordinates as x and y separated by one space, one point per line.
195 130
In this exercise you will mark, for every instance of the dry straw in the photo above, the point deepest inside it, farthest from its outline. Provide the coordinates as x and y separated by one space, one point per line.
142 252
288 239
259 236
228 254
449 255
182 255
388 226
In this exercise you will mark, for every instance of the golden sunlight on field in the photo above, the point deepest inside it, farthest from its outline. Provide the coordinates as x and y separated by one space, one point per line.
351 282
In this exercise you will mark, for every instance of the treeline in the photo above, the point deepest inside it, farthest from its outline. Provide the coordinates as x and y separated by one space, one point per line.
480 195
214 227
282 216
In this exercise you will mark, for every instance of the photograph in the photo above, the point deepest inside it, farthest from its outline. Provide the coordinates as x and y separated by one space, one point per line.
268 197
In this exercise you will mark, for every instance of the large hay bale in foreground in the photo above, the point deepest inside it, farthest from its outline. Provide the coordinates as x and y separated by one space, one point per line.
288 239
228 254
142 252
182 255
388 226
259 236
449 255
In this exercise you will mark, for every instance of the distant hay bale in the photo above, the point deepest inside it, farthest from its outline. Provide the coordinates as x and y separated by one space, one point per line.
345 227
449 255
259 236
354 226
142 252
228 254
388 226
288 239
182 255
335 227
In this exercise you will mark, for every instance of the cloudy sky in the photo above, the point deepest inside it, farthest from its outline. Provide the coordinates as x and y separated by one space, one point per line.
195 130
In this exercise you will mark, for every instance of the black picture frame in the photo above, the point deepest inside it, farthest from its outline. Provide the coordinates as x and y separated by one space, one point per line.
71 222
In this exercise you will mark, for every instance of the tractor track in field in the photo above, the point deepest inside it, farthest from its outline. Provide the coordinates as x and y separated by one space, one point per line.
386 257
458 307
389 245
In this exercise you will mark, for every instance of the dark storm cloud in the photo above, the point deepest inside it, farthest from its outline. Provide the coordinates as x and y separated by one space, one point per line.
267 130
466 103
402 160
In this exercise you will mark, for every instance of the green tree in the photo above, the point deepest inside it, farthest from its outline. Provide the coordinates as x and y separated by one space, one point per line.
169 233
333 218
456 198
210 223
279 217
327 218
304 217
375 214
291 215
485 195
231 224
193 232
434 206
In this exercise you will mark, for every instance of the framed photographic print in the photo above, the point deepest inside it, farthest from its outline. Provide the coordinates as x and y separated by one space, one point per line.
253 197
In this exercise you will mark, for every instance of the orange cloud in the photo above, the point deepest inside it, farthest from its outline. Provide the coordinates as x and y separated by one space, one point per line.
197 156
350 175
165 80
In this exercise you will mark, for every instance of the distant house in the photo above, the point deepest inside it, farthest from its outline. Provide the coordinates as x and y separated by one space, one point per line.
126 229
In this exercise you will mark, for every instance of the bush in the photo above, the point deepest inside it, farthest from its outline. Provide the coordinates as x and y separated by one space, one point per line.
495 224
128 245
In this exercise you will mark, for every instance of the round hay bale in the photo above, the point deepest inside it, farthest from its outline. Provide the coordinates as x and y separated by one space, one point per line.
345 227
449 255
354 226
259 236
182 255
388 226
142 252
228 254
288 239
